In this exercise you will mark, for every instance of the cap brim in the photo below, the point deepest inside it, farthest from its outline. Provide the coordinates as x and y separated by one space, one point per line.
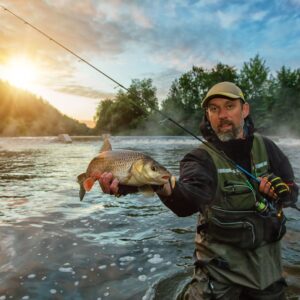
222 95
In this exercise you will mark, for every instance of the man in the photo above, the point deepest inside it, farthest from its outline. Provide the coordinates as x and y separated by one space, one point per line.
241 221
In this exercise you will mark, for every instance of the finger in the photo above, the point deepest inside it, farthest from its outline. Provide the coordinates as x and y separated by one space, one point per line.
100 177
114 187
164 190
262 184
105 182
267 188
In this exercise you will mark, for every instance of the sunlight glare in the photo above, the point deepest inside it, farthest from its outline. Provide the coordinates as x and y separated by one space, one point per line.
21 72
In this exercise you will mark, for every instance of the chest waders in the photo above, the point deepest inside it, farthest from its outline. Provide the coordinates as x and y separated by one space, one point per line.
238 234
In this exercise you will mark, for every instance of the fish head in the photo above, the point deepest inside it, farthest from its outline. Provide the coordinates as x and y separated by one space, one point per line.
149 171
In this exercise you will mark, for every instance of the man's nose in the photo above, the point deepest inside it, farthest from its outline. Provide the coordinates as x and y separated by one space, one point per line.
223 114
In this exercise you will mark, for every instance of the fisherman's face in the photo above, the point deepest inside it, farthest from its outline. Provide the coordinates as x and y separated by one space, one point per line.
226 117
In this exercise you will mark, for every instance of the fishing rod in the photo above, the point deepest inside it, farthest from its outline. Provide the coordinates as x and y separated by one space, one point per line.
222 154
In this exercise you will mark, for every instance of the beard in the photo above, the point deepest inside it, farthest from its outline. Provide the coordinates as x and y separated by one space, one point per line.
231 134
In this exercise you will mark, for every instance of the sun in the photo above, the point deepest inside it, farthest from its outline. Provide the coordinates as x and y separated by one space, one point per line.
21 72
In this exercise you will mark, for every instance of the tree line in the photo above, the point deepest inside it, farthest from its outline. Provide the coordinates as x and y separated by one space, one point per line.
24 114
274 99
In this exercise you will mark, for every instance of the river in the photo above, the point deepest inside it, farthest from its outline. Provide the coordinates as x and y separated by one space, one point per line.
52 246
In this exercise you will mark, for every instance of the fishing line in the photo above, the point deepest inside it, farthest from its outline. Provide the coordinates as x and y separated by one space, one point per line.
222 154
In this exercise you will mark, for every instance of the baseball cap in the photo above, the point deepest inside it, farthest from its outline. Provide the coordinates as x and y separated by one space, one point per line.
226 89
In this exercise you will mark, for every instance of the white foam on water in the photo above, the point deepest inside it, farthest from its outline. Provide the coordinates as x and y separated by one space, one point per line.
164 140
106 294
66 269
142 278
145 250
286 141
140 269
30 276
3 297
37 225
53 291
76 283
126 258
152 269
25 297
102 267
156 259
84 276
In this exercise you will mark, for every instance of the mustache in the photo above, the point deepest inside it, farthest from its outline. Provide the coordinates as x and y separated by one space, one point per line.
225 122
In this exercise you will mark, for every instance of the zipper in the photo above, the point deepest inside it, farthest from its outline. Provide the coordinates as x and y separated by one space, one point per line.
232 211
238 226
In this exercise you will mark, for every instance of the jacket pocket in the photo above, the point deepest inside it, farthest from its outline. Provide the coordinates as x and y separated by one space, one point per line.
238 196
238 233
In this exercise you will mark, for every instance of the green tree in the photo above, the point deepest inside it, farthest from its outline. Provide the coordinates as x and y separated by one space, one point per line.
286 95
129 110
24 114
255 84
186 93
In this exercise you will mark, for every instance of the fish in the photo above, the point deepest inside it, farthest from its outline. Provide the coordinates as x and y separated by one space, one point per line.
130 167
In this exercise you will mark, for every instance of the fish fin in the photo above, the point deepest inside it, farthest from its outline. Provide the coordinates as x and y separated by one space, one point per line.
106 146
136 167
88 184
146 190
80 179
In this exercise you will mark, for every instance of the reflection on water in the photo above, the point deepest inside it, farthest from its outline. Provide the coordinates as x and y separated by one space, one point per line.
52 246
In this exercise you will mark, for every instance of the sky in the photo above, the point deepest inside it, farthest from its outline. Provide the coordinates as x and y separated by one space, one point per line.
137 39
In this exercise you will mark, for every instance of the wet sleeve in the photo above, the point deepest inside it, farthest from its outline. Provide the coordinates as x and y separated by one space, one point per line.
196 185
281 166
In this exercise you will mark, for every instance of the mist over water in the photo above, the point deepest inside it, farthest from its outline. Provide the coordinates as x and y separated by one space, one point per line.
52 246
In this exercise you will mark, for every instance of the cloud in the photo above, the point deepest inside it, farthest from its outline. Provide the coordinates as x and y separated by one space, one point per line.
226 19
168 34
140 18
84 91
73 27
259 15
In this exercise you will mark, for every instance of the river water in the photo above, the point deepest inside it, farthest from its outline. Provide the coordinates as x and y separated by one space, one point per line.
52 246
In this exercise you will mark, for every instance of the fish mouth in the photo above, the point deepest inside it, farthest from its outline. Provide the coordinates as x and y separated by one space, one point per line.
166 177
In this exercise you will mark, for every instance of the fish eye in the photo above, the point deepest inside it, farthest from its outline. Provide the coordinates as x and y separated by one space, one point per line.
153 168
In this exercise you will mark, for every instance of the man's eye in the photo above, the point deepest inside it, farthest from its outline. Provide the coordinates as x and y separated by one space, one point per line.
212 109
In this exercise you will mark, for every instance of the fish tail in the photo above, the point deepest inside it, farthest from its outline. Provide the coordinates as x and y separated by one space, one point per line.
81 192
80 179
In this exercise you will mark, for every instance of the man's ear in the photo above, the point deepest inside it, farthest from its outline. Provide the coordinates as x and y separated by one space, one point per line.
245 110
206 115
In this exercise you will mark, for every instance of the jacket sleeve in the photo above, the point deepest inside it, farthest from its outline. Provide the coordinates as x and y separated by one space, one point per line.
196 185
280 166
